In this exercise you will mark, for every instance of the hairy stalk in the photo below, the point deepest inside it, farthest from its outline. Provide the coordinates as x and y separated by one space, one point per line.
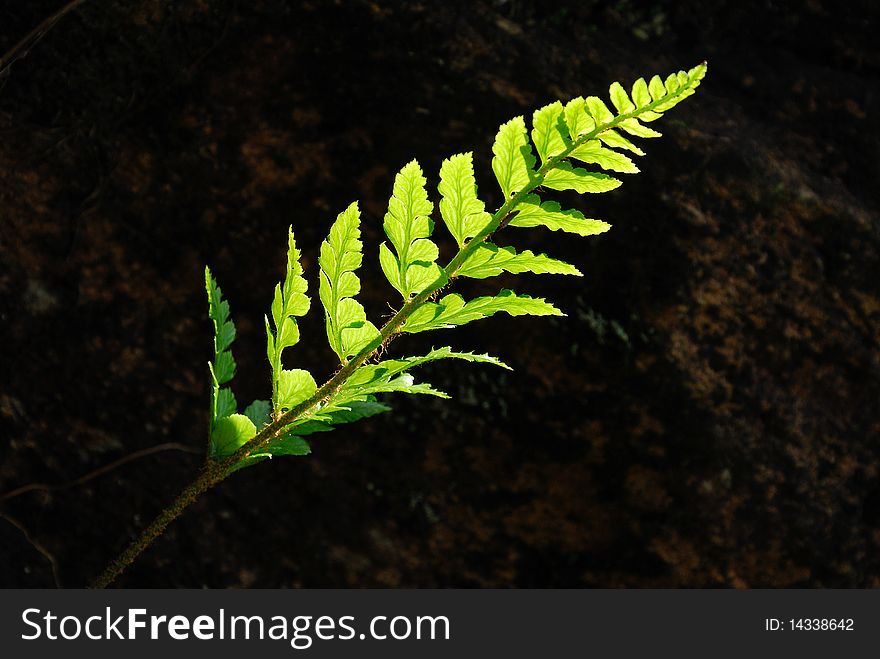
208 478
215 470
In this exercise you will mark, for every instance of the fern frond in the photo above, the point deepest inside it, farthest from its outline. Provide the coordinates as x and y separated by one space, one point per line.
585 131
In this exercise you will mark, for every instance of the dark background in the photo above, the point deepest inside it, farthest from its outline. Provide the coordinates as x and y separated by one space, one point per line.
706 415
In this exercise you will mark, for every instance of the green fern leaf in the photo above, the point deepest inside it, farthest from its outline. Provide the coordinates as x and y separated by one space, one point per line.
599 111
229 433
676 88
656 88
393 376
371 374
640 94
593 152
404 383
489 260
463 213
577 119
452 310
617 141
619 98
292 442
348 329
633 127
222 367
549 131
224 330
290 300
294 386
408 226
566 177
514 162
531 212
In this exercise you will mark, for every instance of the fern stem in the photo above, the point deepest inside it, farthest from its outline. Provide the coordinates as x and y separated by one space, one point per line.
188 495
217 470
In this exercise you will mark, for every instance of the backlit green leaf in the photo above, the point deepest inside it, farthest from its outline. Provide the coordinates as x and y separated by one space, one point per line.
577 119
452 310
549 132
599 111
489 260
593 152
633 127
566 177
295 386
617 141
619 98
408 226
514 162
656 88
640 94
229 433
348 329
463 213
224 367
289 301
371 374
531 212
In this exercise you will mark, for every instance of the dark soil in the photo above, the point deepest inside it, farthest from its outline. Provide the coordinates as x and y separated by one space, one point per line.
706 415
